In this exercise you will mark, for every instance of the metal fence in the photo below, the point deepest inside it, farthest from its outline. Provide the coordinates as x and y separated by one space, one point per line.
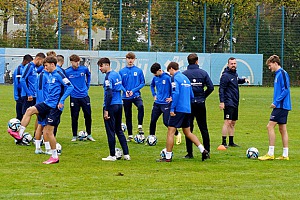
163 26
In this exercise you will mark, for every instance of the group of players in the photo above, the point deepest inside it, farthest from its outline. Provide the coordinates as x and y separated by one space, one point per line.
180 97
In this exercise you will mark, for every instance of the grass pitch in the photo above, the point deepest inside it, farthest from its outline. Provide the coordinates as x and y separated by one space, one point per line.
81 174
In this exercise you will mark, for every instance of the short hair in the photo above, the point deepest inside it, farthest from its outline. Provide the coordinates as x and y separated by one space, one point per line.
273 59
155 67
231 58
60 58
192 58
51 53
27 57
130 55
173 65
101 61
40 55
50 59
74 57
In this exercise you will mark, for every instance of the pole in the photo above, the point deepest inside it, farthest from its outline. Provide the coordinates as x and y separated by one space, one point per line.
27 23
120 26
149 26
59 23
257 28
204 28
231 25
282 37
90 25
177 20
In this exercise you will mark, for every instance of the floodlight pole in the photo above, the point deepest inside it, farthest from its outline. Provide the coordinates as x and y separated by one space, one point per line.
90 25
27 23
59 24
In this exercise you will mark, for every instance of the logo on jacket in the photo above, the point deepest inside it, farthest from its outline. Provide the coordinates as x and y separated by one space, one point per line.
81 74
164 82
134 73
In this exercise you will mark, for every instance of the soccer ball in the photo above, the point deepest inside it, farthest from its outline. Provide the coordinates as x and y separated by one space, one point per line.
119 153
123 127
82 135
27 138
151 140
252 153
139 138
163 153
58 148
14 124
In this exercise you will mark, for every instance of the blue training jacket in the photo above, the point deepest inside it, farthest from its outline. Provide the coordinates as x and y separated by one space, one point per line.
229 88
17 84
182 93
80 79
199 80
112 89
161 87
28 80
132 80
282 94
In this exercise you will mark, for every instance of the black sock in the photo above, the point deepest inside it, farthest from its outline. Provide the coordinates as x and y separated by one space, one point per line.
224 140
231 140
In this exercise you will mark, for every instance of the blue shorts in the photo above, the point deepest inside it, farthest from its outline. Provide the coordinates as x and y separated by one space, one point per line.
52 115
279 115
231 113
180 120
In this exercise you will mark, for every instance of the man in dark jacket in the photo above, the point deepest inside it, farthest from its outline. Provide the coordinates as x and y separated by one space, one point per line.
202 87
229 100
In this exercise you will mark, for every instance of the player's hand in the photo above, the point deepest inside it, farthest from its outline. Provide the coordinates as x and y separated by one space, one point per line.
154 98
247 80
272 106
127 93
172 114
60 106
105 115
168 100
130 93
222 106
29 98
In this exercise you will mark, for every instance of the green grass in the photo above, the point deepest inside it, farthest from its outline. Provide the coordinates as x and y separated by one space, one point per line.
81 174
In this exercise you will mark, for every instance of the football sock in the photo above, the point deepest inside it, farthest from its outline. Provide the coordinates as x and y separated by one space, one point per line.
271 150
140 126
22 130
47 146
37 144
54 153
223 140
285 152
231 140
168 155
201 148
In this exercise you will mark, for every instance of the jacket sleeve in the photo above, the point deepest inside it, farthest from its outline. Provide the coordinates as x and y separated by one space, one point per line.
26 72
15 79
285 85
241 80
175 95
68 88
88 77
209 86
223 84
142 82
152 86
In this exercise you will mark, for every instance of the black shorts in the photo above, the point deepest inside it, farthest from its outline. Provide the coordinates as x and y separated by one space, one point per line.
180 120
279 115
52 115
231 113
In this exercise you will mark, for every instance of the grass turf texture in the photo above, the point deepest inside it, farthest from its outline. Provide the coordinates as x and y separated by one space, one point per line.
81 174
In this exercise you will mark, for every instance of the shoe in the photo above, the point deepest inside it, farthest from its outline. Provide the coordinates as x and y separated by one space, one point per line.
266 157
15 135
178 138
21 143
90 138
205 155
74 138
48 152
38 151
51 160
127 157
188 156
164 160
140 131
225 145
130 138
282 158
233 145
110 158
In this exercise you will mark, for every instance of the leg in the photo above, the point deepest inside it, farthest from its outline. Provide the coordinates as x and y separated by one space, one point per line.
19 105
202 124
110 132
75 108
128 115
170 138
86 108
271 132
138 102
188 142
118 130
156 112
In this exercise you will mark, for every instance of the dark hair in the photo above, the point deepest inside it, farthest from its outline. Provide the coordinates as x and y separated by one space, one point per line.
130 55
28 58
155 67
101 61
50 59
273 59
192 58
173 65
40 55
231 58
74 58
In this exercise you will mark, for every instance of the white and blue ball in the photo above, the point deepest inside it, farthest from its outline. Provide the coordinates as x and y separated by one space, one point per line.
82 135
151 140
119 153
14 124
27 138
123 127
139 138
252 153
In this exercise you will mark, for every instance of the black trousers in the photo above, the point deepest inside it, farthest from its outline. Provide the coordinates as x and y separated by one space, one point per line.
75 105
157 110
19 106
198 112
127 104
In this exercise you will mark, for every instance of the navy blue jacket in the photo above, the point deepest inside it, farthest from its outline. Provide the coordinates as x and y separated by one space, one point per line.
199 79
229 88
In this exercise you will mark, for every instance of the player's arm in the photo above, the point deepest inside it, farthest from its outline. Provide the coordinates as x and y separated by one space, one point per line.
88 77
27 70
108 93
152 87
15 78
284 85
209 86
68 88
175 95
222 87
141 84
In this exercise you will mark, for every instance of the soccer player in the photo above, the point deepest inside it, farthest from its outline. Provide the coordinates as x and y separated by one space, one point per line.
80 78
202 87
281 106
17 85
229 100
51 108
133 81
161 90
112 109
180 112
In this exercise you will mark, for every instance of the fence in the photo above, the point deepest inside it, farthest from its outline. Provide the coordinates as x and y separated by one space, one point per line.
163 26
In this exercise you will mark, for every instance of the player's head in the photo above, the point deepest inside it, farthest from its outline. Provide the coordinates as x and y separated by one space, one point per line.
273 63
74 59
172 68
232 64
104 65
156 69
60 60
27 59
130 58
39 59
50 63
192 59
51 53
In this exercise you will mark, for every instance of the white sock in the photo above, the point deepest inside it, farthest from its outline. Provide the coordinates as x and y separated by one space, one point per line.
140 126
168 155
54 153
47 146
285 152
37 144
22 130
271 150
201 148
